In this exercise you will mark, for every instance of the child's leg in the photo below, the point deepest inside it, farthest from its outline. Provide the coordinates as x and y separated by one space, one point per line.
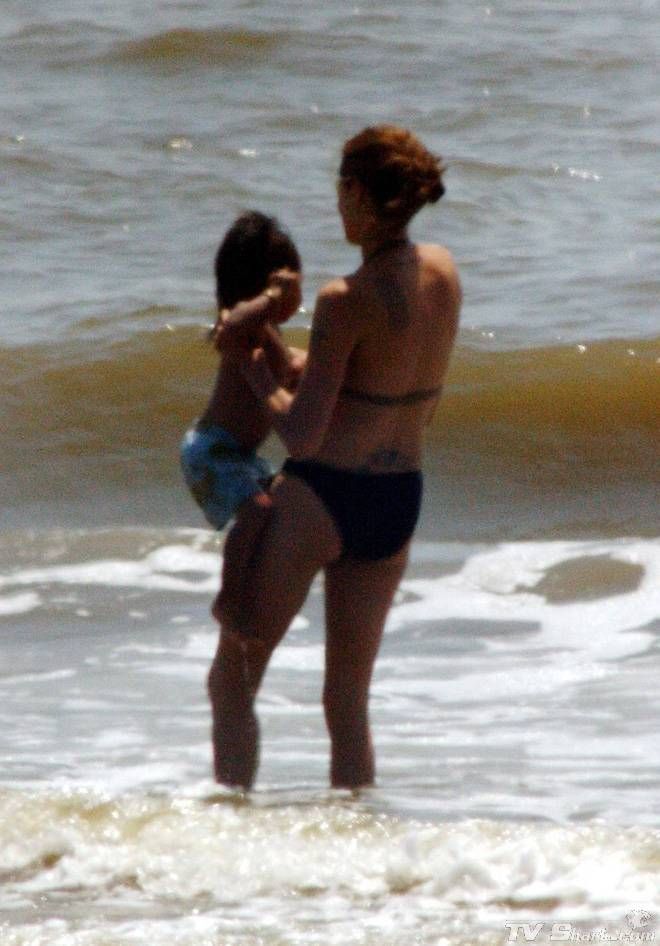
230 605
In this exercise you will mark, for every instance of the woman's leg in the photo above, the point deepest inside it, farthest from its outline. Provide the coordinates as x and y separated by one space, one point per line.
298 540
358 597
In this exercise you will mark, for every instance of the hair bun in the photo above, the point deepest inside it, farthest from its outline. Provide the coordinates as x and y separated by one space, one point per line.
398 171
433 191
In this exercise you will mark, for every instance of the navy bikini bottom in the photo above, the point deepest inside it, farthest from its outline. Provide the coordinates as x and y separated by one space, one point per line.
375 513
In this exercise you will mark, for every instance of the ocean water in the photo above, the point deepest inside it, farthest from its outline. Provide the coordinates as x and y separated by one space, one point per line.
515 704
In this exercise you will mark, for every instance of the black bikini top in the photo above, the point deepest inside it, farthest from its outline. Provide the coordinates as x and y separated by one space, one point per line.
388 400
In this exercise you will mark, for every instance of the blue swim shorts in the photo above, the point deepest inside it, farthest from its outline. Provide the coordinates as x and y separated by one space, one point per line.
219 474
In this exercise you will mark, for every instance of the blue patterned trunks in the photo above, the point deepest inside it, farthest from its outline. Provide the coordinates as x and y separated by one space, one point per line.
219 474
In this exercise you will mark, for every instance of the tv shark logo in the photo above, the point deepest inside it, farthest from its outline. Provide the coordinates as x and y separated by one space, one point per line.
638 919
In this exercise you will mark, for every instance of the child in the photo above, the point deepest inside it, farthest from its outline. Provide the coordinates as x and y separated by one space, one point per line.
257 272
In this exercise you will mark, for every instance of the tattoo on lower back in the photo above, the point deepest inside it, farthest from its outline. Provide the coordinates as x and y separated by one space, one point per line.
388 461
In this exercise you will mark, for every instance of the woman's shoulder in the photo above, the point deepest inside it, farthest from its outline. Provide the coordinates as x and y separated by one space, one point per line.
340 309
435 254
440 264
338 289
340 294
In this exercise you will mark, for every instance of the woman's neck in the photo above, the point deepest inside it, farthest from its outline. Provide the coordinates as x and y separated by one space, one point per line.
374 246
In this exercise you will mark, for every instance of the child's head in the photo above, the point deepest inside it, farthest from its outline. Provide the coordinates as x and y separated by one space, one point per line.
253 247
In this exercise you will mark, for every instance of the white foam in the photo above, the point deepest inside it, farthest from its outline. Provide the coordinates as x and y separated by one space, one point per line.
299 658
40 676
159 570
19 603
291 868
488 588
495 584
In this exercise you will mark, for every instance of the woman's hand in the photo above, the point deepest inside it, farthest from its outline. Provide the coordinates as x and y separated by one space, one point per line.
258 374
230 337
295 367
287 282
242 328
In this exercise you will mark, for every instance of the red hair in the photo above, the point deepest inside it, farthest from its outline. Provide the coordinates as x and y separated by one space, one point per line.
397 171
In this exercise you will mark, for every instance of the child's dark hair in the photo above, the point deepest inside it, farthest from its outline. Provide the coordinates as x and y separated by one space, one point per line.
254 246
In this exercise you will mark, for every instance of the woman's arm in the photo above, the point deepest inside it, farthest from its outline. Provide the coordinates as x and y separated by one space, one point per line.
286 363
301 419
241 328
276 352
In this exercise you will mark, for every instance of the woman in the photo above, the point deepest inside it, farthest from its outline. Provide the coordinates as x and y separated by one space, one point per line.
349 495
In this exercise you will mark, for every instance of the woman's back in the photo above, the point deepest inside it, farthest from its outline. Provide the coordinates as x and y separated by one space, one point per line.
405 302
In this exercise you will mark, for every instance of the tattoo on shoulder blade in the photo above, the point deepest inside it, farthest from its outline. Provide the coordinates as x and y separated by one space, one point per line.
396 303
